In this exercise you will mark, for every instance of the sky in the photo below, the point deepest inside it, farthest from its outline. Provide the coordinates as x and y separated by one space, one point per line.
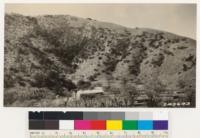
175 18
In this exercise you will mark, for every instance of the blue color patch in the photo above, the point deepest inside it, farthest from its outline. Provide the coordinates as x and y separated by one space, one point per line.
145 125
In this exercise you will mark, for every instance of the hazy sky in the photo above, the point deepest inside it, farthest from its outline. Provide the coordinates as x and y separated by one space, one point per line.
176 18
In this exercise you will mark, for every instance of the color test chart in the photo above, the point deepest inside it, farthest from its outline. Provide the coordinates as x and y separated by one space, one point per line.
98 124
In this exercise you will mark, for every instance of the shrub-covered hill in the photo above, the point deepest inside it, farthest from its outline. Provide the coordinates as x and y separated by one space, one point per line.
48 57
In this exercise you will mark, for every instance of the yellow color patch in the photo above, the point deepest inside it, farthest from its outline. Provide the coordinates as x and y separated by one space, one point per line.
113 124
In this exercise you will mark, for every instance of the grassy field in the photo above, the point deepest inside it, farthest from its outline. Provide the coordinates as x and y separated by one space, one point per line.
46 99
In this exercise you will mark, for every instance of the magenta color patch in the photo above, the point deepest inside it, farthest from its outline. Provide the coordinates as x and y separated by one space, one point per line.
82 124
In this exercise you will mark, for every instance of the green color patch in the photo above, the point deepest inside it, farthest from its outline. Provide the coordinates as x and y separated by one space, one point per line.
130 125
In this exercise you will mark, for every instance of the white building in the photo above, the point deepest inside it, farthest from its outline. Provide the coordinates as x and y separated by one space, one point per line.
95 91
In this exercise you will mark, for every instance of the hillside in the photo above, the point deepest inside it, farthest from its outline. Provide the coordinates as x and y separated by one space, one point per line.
48 57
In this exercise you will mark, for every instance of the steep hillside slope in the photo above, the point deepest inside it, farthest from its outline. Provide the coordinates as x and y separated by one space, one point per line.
49 57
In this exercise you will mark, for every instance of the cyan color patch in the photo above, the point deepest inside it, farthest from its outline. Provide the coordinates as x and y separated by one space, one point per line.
145 125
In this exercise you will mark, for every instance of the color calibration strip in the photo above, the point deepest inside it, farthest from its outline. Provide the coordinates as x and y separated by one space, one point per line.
98 121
